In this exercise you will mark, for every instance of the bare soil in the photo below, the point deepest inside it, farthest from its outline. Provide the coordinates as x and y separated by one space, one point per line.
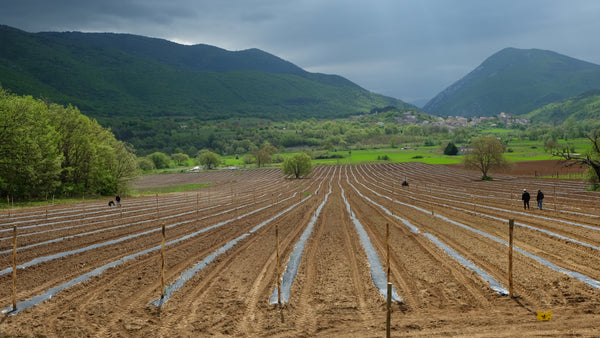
333 294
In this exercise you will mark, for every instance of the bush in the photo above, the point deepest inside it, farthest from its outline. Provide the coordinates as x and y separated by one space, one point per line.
451 149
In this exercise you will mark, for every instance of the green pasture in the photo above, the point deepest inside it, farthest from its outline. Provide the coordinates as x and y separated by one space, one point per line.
430 155
168 189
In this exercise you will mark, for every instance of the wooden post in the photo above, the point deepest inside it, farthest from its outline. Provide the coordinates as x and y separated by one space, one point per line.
157 213
511 226
197 203
387 236
392 199
8 204
555 200
162 263
14 272
389 311
431 199
278 271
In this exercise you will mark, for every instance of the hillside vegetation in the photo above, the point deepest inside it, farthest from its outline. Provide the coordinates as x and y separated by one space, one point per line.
516 81
579 108
118 76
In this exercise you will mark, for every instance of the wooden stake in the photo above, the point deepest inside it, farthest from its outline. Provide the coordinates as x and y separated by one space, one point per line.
8 204
162 264
511 226
278 271
387 236
555 200
389 311
14 272
157 213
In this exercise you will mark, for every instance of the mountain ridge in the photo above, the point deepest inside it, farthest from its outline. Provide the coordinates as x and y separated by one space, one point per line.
111 75
515 81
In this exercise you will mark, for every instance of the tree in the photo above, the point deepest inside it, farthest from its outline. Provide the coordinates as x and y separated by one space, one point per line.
145 164
208 159
180 158
451 149
591 158
298 165
30 161
48 148
263 155
160 160
485 153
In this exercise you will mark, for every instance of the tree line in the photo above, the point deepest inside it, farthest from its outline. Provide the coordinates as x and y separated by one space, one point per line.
49 149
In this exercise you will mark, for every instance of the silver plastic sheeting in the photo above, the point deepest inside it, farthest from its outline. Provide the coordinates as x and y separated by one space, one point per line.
96 272
494 284
294 262
183 278
377 273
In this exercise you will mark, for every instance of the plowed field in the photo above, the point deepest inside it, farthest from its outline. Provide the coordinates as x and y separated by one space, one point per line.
101 267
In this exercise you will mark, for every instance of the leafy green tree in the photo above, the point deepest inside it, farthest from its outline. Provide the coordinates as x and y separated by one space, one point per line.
208 159
180 158
29 157
48 148
451 149
145 164
160 160
263 155
298 165
485 153
94 160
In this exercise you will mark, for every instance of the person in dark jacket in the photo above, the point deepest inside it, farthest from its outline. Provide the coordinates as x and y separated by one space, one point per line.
540 199
118 199
525 197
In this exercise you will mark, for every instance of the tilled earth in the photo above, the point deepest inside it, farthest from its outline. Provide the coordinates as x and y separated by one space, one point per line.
556 261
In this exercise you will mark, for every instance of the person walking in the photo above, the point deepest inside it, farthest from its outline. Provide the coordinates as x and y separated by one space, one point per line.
118 199
525 197
540 199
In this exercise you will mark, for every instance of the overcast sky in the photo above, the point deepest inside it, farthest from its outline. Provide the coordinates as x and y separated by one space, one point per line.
409 50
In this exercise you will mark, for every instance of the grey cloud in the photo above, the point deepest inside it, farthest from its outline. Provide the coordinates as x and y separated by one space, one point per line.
402 48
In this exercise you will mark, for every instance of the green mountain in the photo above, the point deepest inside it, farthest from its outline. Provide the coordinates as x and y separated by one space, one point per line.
580 108
516 81
119 76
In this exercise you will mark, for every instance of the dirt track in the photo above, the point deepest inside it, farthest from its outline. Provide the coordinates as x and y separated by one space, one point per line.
333 293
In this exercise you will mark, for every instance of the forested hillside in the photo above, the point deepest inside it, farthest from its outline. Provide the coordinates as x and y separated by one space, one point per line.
516 81
114 76
579 108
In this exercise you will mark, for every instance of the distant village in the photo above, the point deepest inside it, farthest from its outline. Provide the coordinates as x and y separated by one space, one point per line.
507 120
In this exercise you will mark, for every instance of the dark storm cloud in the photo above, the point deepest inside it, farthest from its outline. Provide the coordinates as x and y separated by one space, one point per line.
406 49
